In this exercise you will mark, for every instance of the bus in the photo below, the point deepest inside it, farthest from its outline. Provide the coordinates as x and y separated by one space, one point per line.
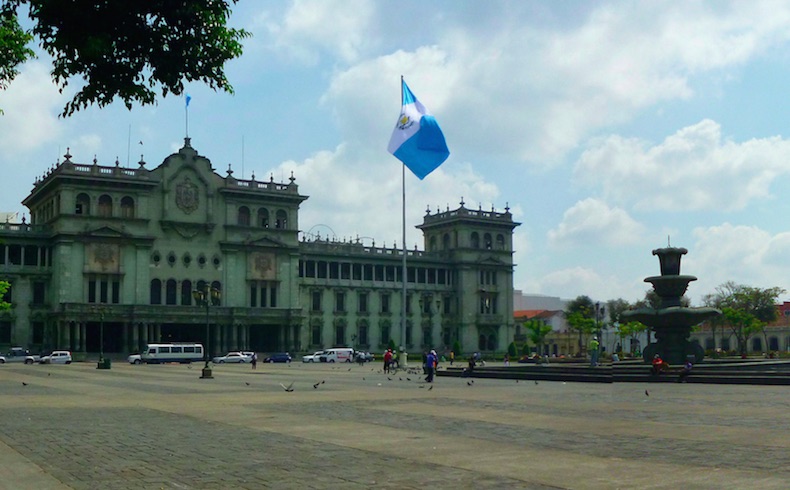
175 352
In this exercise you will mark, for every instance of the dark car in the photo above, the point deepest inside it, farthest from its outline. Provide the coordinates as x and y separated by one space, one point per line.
278 357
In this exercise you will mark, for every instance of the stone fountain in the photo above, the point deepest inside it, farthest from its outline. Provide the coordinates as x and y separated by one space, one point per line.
671 322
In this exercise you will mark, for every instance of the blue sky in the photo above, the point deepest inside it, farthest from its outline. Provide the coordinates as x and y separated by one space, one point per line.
605 126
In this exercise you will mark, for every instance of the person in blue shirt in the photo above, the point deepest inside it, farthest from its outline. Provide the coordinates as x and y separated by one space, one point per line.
430 366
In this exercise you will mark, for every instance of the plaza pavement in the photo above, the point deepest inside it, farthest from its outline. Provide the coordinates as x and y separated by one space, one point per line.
161 427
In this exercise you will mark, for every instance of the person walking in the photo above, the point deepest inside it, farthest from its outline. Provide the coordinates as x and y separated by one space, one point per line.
594 345
452 357
387 360
430 366
254 361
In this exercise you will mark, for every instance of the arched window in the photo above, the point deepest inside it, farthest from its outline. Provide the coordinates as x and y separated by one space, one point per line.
500 242
263 217
217 300
127 207
475 240
282 219
170 292
83 204
156 292
433 244
487 241
186 292
446 241
244 216
105 206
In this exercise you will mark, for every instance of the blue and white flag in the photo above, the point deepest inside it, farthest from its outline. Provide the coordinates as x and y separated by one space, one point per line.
417 140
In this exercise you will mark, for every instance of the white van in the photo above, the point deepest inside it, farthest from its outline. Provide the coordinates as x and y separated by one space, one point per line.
339 354
177 352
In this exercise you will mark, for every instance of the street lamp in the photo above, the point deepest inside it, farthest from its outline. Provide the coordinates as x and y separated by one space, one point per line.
102 363
205 297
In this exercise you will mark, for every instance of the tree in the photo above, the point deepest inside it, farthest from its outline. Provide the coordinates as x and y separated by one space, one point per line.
4 305
630 330
457 348
759 304
512 350
537 333
579 314
128 50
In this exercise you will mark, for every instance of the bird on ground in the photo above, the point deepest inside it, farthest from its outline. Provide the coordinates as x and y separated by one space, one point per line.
246 383
468 383
49 374
288 388
536 381
516 381
646 393
389 378
363 378
315 386
323 381
429 389
24 384
408 379
400 379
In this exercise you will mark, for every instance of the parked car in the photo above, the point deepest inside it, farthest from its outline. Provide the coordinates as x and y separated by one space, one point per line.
314 357
278 357
57 357
233 357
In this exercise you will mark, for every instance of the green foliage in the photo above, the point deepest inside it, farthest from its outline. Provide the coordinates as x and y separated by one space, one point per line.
525 351
391 345
457 348
743 325
512 350
581 305
13 45
537 332
128 50
616 307
4 285
630 329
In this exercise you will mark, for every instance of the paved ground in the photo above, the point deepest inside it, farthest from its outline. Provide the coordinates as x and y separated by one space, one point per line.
161 427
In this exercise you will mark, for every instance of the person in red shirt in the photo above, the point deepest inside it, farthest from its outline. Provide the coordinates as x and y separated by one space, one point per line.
387 360
659 366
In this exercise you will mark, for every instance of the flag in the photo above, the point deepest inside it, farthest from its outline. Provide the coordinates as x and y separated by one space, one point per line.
189 97
417 140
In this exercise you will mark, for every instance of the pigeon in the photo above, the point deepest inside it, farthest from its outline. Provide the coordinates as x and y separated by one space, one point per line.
516 381
389 378
408 379
429 389
24 384
323 381
349 369
400 379
363 378
288 388
246 383
315 386
49 374
536 381
646 393
468 383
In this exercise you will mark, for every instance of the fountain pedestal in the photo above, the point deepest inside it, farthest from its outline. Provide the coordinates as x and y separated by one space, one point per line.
671 322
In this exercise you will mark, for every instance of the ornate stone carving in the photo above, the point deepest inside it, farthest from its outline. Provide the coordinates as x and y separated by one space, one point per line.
187 197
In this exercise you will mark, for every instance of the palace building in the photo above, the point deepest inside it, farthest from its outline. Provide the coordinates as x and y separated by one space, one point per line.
112 259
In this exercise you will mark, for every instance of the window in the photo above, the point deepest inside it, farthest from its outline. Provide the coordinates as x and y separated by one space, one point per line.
487 240
316 334
156 292
432 246
488 303
186 292
315 301
385 303
263 218
103 288
253 295
500 242
5 332
282 219
363 334
408 303
363 302
39 296
446 241
170 292
244 216
127 207
340 334
475 240
105 206
385 334
340 301
83 204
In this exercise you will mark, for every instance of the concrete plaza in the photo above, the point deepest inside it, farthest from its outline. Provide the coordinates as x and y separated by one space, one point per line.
161 427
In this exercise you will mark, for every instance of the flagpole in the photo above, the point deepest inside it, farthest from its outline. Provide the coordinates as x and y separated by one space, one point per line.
403 243
186 119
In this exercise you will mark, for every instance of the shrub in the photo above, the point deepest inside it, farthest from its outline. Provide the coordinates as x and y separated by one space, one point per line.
457 349
512 350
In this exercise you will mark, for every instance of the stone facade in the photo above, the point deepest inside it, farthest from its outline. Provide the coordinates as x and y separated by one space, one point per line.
116 253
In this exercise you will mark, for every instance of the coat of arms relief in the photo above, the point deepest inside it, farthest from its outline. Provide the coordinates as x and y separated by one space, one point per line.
187 197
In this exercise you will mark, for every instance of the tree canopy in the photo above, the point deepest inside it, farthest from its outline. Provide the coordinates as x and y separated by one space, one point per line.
128 50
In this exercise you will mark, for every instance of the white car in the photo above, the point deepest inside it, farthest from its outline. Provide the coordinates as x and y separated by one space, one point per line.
57 357
230 357
314 357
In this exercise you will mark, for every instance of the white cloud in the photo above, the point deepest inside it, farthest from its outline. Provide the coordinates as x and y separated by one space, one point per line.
592 221
693 169
31 104
311 27
744 254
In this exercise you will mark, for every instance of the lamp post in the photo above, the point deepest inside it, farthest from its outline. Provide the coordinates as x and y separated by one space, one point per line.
204 297
102 363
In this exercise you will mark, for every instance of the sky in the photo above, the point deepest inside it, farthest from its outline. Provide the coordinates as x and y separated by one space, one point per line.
609 129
